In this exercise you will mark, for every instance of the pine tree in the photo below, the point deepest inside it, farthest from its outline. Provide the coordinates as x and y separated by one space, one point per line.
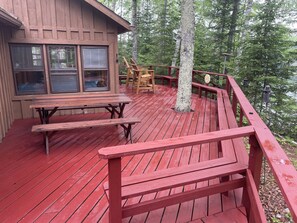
266 60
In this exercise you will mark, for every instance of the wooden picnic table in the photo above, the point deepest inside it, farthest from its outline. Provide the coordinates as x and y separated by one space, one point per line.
46 106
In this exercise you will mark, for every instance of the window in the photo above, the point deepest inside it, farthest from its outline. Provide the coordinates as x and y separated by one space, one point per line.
95 68
28 68
63 69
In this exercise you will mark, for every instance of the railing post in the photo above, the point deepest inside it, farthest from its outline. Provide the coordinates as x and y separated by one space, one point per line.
234 104
255 165
115 190
228 86
255 160
169 71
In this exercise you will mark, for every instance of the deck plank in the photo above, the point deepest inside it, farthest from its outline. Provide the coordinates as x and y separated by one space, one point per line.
67 185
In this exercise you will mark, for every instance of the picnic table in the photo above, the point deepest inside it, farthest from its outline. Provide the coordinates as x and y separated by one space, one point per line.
47 106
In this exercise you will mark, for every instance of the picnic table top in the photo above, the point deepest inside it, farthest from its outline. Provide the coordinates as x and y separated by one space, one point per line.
80 100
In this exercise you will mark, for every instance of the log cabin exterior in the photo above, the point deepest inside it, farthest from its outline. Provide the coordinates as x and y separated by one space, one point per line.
55 47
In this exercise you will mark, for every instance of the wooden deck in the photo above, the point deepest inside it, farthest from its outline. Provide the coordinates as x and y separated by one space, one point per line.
67 184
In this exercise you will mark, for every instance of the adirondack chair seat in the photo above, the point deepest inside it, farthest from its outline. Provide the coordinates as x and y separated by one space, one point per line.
144 80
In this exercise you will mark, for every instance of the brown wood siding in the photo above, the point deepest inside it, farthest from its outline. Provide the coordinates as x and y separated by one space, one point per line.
72 22
6 85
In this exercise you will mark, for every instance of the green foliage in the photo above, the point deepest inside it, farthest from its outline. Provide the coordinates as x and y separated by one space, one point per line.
266 60
255 33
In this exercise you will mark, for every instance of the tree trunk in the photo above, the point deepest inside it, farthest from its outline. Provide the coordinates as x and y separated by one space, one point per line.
134 31
163 31
113 5
223 26
233 25
176 50
184 92
246 14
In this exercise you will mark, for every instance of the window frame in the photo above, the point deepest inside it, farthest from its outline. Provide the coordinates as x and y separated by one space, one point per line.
63 72
82 47
39 69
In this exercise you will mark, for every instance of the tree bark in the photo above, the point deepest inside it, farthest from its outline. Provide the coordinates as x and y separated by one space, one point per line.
176 50
163 31
233 26
184 92
134 30
246 14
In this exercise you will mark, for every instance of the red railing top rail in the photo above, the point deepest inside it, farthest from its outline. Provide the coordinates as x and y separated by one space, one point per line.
172 143
194 70
211 73
284 172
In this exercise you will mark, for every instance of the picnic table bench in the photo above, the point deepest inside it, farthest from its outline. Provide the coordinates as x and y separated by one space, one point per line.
126 123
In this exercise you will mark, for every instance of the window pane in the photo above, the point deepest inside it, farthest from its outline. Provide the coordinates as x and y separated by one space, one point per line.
26 57
64 83
62 57
95 58
30 82
63 72
96 80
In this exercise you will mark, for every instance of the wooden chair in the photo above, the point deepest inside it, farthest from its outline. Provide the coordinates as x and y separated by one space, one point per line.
144 78
130 77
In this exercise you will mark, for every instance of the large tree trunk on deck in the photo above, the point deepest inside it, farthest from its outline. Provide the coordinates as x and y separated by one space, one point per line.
134 30
184 92
176 50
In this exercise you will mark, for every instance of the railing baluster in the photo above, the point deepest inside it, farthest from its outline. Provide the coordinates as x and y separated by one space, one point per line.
240 117
234 104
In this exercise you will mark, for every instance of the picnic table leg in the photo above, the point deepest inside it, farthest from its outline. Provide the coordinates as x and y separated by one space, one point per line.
115 193
112 112
43 116
40 115
131 134
46 143
122 107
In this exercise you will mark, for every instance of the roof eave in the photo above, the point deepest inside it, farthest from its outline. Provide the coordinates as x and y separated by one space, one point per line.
8 19
124 26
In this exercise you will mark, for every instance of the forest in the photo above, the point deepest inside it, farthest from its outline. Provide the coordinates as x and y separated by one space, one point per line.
253 40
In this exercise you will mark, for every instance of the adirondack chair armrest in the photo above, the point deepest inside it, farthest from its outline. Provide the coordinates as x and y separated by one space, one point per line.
115 152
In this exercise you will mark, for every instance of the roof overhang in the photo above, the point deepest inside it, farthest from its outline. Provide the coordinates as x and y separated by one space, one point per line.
123 25
8 19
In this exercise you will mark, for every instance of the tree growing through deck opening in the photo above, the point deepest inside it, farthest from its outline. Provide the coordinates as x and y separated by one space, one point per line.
184 92
134 30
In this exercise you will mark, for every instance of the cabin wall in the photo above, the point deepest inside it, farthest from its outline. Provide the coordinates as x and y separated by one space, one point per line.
6 84
65 22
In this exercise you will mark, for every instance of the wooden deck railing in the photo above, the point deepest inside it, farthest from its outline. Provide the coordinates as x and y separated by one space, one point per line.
261 143
284 172
264 142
